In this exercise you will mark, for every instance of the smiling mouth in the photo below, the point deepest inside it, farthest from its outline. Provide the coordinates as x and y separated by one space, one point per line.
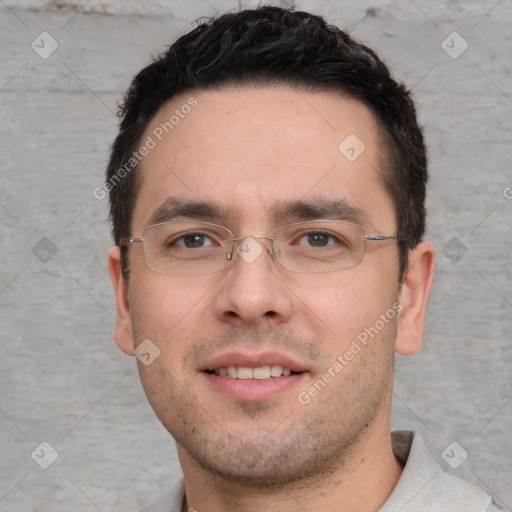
259 373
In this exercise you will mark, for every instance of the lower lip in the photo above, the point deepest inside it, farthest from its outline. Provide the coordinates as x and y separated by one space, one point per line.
253 389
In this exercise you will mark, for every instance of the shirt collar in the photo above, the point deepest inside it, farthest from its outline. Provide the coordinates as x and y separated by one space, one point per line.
424 486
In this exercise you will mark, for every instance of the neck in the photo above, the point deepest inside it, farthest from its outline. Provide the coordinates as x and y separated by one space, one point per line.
364 481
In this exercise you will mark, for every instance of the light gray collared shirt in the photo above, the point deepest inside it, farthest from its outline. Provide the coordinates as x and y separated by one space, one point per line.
422 487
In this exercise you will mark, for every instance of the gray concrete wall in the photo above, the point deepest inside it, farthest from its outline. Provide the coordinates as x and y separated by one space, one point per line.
62 379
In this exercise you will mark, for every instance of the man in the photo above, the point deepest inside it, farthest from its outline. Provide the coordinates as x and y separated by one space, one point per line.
267 196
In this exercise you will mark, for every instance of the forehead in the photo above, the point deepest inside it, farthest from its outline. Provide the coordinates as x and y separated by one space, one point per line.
251 149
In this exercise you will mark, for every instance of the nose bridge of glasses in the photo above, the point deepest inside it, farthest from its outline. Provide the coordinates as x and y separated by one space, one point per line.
249 251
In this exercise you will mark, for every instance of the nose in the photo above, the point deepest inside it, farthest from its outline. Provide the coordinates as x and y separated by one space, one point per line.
253 291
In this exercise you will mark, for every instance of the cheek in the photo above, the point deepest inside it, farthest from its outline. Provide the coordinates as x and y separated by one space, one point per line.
171 311
340 307
165 313
159 306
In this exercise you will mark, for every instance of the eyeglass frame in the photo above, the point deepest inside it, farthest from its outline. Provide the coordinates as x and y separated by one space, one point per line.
272 252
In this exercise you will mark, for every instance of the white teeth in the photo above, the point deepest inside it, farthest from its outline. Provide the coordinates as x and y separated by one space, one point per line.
259 373
276 370
244 372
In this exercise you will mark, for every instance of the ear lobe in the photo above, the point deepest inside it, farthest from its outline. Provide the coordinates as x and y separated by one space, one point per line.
123 334
413 298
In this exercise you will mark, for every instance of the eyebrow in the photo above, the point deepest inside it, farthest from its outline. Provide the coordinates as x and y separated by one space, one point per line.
336 209
292 211
175 207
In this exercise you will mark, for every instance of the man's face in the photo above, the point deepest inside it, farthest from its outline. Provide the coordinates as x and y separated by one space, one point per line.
251 151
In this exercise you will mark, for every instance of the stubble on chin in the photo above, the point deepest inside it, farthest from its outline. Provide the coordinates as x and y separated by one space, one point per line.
272 444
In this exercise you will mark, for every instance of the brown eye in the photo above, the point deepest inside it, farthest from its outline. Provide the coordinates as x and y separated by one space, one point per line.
318 239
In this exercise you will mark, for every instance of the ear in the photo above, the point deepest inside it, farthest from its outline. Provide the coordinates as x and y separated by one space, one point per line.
413 298
123 334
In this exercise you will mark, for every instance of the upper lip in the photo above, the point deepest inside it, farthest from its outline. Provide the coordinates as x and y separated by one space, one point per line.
253 361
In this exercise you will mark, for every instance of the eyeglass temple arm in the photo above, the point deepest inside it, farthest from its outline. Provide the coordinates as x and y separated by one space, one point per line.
130 241
373 238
